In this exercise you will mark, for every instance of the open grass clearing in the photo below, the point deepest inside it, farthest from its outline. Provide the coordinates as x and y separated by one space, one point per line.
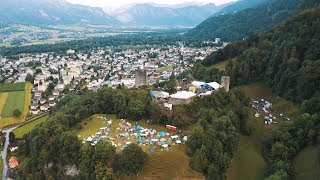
93 124
172 164
247 162
25 129
261 91
307 164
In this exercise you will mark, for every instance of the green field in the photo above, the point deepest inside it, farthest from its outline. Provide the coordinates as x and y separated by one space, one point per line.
307 164
3 99
12 87
15 100
21 131
248 163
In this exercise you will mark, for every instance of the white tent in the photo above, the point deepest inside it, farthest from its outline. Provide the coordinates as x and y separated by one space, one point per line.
165 145
216 86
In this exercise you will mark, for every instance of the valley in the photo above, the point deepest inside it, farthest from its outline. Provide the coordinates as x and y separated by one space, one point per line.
160 90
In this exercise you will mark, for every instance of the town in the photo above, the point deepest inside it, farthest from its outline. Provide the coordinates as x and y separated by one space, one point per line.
52 74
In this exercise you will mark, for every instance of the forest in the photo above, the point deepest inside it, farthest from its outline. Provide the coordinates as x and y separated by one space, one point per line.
287 59
242 24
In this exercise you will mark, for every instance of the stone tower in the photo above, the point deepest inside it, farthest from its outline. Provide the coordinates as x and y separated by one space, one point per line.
225 82
140 78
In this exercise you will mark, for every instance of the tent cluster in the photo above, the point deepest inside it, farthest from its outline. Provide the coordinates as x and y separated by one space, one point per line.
126 133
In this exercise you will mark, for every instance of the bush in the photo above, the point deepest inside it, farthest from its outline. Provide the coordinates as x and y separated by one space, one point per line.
17 113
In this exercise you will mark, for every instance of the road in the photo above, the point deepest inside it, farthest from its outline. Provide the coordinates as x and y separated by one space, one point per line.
4 151
6 144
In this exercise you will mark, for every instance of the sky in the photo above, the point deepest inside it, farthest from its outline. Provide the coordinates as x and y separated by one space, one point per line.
118 3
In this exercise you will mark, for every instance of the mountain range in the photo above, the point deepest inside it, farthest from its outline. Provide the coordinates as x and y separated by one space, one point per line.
61 12
241 24
50 12
151 15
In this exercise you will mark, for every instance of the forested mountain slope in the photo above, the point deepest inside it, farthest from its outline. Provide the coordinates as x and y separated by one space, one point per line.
244 23
239 6
287 58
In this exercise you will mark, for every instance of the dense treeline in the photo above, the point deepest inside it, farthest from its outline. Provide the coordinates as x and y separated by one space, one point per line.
242 24
156 38
52 150
215 136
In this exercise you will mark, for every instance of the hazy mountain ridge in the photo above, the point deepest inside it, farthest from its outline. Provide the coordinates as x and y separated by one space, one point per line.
244 23
151 14
44 12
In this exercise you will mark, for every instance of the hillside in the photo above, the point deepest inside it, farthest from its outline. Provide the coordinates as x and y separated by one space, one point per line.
239 6
286 58
244 23
50 12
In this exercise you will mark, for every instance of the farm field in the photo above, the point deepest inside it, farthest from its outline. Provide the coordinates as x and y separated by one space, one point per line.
12 97
15 100
307 164
21 131
12 87
3 99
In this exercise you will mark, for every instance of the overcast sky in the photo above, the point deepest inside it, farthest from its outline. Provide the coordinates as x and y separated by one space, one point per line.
119 3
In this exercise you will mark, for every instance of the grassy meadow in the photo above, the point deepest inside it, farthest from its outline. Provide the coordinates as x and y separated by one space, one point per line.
21 131
307 164
172 164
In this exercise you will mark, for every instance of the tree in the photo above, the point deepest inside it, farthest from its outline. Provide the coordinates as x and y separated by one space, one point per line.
132 159
136 110
17 113
12 137
102 172
30 78
104 152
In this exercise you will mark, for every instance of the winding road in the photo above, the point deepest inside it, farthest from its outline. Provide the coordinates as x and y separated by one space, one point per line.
4 151
6 144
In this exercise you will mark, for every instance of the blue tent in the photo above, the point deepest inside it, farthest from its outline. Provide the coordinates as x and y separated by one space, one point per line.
161 134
